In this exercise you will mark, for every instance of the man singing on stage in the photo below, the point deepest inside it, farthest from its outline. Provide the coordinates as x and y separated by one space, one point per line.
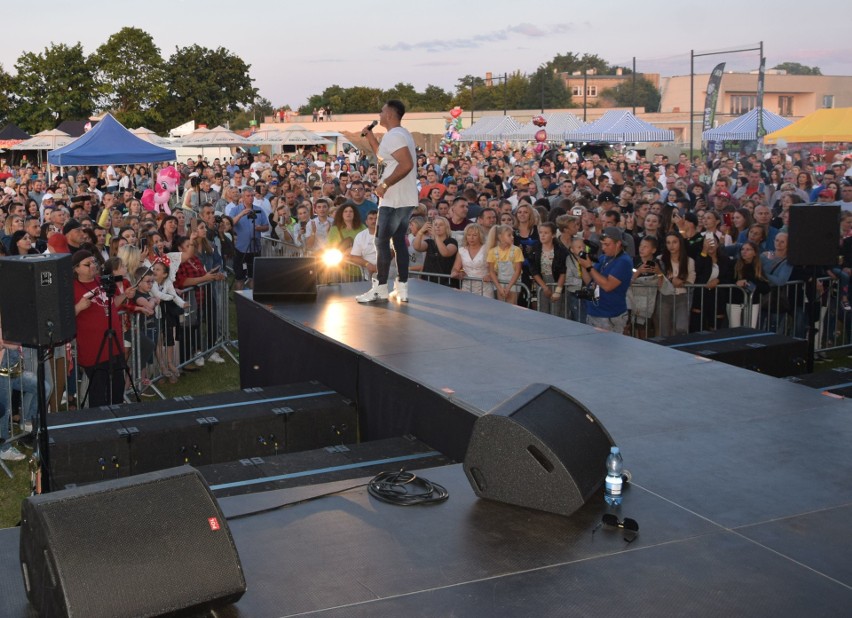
397 191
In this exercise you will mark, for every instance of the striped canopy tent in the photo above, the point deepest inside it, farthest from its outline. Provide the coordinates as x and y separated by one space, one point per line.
744 128
149 136
294 135
489 128
46 140
558 124
619 127
219 136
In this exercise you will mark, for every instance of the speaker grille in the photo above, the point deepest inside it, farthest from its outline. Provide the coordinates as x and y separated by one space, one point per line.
540 449
131 548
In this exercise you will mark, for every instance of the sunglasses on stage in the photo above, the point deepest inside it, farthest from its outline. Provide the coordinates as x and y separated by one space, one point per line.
609 519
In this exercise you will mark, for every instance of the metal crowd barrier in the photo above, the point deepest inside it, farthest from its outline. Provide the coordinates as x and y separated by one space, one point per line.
203 330
472 285
272 247
783 310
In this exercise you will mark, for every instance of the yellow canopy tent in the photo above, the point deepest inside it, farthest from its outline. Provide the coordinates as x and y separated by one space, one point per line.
824 125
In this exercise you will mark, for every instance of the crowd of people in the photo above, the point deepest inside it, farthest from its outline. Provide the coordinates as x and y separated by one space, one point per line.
593 236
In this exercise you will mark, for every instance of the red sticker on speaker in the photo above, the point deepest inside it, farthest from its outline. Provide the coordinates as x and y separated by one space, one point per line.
214 523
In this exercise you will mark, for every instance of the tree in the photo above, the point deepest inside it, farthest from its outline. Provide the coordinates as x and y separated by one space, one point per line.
546 90
472 93
435 99
794 68
131 77
622 95
405 93
50 87
210 86
571 63
257 111
5 94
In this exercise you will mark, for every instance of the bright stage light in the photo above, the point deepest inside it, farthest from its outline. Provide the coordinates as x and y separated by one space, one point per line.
332 257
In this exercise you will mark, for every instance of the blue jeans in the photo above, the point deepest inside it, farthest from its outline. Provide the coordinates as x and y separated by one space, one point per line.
392 226
27 385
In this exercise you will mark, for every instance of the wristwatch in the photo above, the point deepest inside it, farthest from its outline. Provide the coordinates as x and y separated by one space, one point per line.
385 186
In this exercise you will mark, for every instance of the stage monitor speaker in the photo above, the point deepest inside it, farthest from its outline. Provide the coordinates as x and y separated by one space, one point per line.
37 303
814 236
146 545
540 449
285 279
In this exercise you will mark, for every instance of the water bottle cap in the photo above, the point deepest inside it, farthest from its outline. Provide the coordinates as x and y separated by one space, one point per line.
614 450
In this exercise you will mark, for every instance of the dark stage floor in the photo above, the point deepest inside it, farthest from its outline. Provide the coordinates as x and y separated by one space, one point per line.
741 481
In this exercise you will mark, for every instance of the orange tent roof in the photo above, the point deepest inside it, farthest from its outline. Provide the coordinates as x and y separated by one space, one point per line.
824 125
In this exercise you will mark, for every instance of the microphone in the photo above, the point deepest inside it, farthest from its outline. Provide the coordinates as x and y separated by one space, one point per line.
370 127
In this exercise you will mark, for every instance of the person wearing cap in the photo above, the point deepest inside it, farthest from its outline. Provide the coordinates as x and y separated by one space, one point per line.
398 194
826 196
91 304
74 234
722 202
827 177
611 275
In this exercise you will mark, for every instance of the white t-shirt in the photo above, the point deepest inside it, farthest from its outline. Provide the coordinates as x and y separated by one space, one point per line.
112 177
404 192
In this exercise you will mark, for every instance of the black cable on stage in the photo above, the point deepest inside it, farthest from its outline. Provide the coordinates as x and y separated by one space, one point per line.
405 489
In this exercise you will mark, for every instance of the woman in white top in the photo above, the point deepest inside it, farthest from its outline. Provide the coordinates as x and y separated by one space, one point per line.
470 264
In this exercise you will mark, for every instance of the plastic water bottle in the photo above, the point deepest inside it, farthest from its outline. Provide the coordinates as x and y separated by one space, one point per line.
614 481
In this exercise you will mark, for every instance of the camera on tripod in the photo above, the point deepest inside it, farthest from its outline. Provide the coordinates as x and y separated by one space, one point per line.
109 284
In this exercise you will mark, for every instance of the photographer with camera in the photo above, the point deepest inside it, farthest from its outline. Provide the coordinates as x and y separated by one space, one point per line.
93 296
612 275
249 223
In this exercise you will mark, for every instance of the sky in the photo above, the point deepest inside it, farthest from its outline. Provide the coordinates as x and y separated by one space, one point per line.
298 49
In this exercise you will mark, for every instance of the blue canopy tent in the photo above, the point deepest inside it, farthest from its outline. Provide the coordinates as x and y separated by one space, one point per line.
619 127
744 128
109 143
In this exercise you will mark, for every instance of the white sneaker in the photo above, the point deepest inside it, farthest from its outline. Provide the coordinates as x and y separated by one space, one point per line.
26 426
400 291
215 358
12 454
376 294
200 362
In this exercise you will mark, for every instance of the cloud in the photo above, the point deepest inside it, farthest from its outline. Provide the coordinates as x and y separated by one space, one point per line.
437 63
478 40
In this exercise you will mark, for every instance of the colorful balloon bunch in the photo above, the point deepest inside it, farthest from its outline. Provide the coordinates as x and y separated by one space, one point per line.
453 126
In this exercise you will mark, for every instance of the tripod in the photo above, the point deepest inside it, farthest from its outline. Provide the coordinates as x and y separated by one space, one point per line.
110 337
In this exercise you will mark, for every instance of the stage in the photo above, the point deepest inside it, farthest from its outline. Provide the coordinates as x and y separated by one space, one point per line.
740 481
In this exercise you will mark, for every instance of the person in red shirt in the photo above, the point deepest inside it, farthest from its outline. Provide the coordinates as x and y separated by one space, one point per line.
91 306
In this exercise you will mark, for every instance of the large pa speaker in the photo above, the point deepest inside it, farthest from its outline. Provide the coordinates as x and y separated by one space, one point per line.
814 235
285 279
146 545
37 304
540 449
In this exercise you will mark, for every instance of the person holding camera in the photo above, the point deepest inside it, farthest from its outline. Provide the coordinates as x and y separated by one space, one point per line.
91 306
249 223
612 275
